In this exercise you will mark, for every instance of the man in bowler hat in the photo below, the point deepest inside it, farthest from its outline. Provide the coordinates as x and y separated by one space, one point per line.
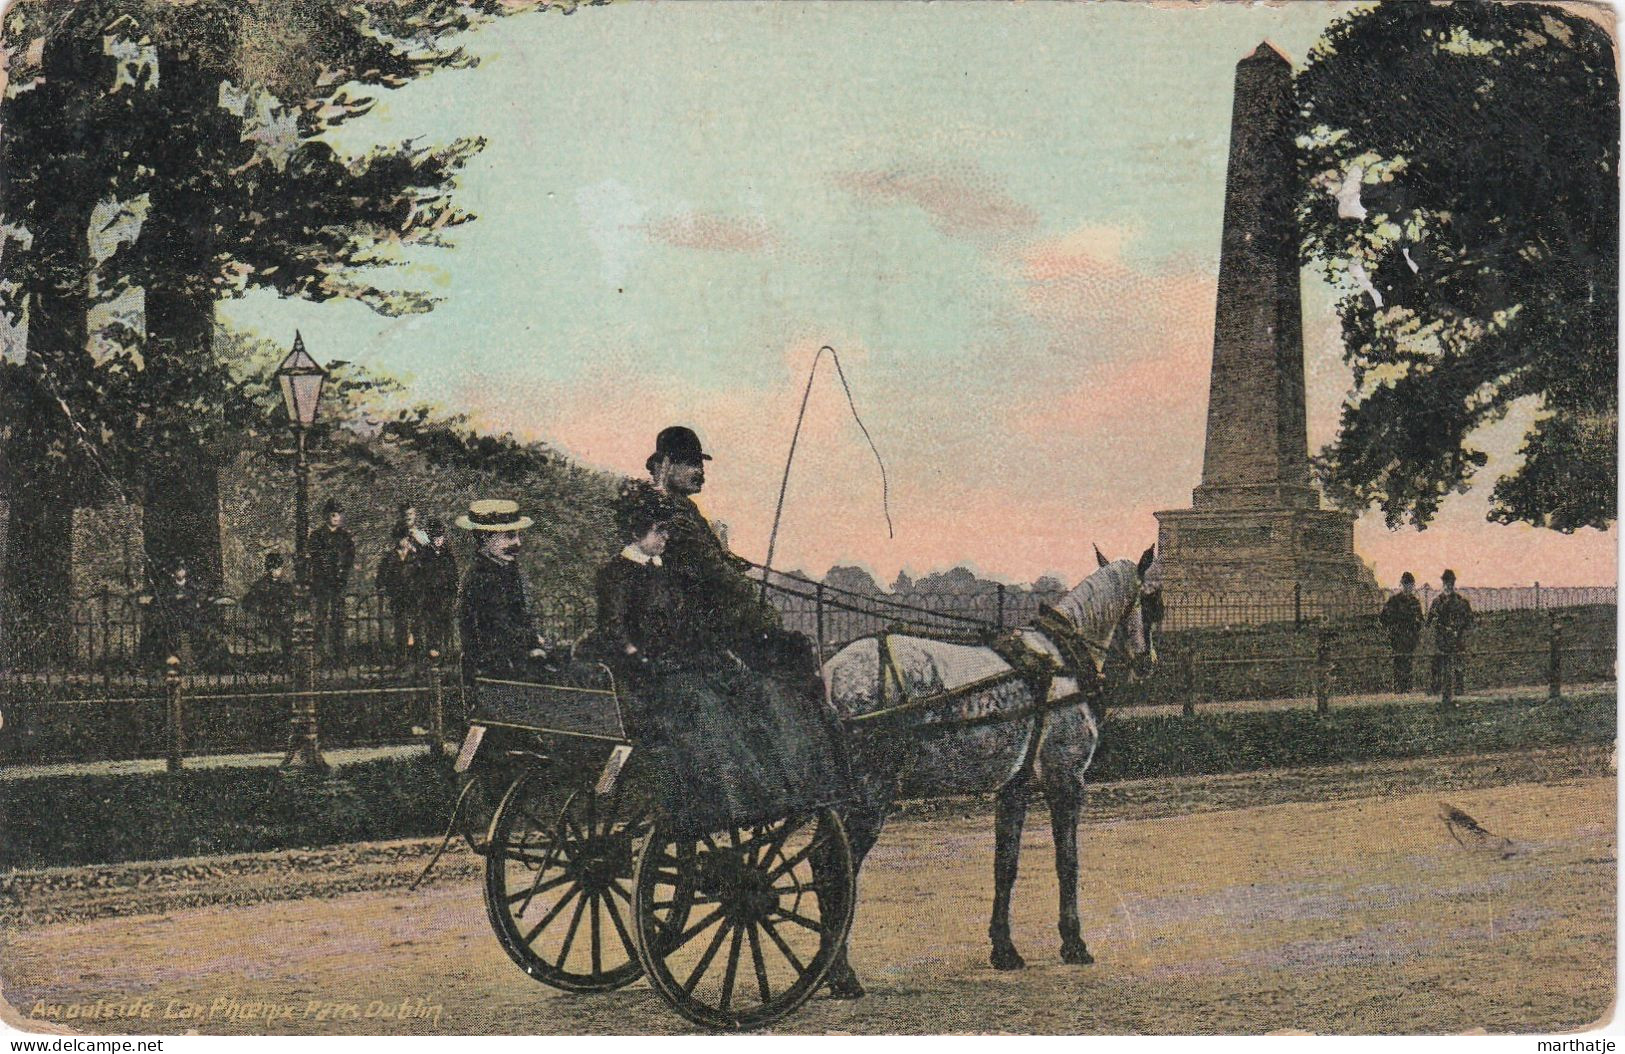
1402 618
711 579
711 582
1451 616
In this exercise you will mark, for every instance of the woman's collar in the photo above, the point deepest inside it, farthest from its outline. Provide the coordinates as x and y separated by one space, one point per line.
638 556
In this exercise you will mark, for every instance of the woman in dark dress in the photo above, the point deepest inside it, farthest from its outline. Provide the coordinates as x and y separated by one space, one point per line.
639 621
731 744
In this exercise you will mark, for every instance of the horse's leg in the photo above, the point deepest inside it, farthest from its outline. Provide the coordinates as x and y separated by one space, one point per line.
863 824
1067 751
1010 816
1065 796
877 767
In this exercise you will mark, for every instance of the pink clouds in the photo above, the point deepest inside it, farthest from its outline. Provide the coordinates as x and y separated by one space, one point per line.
1083 416
961 200
713 232
1080 287
1487 554
1139 340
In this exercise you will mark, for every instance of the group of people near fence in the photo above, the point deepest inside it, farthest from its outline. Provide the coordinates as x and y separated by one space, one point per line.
416 576
1451 618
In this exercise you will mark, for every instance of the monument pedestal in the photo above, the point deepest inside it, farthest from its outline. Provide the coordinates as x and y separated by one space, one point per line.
1226 566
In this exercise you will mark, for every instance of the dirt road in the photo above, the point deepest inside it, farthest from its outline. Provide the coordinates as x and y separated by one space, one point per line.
1327 900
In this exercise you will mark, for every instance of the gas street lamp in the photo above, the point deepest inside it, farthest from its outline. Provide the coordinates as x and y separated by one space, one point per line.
301 380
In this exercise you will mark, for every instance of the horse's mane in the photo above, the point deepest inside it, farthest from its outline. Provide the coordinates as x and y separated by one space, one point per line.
1098 601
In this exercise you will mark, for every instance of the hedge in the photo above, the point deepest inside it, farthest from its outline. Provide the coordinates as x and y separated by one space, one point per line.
68 820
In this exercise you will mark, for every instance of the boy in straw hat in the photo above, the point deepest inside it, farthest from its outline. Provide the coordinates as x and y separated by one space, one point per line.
498 636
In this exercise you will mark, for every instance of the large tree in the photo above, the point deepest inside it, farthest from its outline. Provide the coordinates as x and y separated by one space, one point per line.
214 174
55 114
1461 187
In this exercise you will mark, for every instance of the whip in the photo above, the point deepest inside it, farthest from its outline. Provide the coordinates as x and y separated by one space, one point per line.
784 483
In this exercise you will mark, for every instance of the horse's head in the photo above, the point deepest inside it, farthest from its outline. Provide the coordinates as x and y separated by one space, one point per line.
1138 609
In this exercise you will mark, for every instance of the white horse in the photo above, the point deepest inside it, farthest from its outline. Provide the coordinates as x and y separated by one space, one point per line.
995 738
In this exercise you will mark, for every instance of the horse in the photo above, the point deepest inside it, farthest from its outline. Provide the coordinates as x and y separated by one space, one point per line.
1114 611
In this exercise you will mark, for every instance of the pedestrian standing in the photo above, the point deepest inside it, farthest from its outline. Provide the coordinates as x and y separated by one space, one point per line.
270 601
331 552
1402 618
174 615
396 583
436 589
1451 616
406 522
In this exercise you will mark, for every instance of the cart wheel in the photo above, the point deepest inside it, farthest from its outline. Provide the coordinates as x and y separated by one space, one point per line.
738 929
558 885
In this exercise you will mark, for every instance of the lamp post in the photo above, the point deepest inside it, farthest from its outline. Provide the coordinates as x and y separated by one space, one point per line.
301 380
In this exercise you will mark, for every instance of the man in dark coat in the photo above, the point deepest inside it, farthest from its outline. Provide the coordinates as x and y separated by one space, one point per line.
725 604
397 582
499 638
270 601
331 552
174 617
1402 618
1451 616
436 589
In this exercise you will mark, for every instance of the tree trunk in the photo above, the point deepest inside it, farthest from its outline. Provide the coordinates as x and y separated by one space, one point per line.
52 189
180 520
39 578
181 499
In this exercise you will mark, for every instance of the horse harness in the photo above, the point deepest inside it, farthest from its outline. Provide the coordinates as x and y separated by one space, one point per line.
1036 669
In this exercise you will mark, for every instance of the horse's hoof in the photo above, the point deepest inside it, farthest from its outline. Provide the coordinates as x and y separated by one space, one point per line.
1076 954
1007 959
847 987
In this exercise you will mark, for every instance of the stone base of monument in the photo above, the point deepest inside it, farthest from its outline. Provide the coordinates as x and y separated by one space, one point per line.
1252 566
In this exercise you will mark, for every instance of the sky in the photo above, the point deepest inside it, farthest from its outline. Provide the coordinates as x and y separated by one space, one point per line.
1004 217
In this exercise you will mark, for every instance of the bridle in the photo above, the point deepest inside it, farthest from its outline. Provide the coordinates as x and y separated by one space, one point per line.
1064 633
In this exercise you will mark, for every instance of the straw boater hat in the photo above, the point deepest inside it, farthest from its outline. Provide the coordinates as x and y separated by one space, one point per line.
493 515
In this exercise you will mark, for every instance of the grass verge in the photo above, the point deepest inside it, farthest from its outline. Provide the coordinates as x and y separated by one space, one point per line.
71 820
1239 741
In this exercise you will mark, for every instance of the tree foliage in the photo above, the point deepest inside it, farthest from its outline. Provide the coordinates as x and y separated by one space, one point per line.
159 157
372 451
1460 186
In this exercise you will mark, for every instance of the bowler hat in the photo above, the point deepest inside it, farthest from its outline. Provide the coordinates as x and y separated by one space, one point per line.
1448 576
679 443
331 507
1407 579
493 515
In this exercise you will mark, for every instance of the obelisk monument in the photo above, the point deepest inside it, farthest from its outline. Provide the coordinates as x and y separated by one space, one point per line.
1256 528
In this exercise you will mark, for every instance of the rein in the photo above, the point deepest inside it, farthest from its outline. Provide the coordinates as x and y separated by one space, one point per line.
1059 629
1082 659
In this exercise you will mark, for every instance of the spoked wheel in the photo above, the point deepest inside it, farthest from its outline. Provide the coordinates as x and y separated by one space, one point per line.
738 929
558 885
